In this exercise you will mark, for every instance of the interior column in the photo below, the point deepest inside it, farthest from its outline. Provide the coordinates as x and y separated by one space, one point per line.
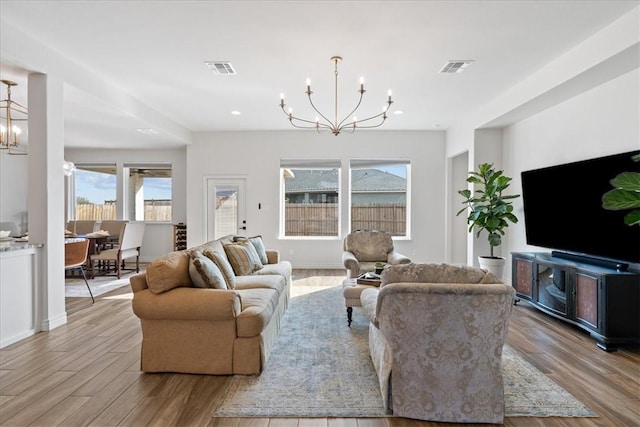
45 198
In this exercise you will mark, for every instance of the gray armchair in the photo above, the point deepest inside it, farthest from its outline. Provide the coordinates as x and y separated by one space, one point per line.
363 248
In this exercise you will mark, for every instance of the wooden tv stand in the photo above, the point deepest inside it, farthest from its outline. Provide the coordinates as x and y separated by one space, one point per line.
603 301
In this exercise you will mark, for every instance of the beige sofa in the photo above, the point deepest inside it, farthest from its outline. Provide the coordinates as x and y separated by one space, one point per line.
203 330
436 338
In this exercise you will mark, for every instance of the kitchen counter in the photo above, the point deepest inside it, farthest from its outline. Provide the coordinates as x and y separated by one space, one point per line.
17 244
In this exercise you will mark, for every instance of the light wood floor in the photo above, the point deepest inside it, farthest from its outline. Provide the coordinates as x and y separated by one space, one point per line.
87 373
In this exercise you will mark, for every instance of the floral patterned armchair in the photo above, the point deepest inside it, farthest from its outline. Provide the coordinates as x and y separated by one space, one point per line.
436 337
362 249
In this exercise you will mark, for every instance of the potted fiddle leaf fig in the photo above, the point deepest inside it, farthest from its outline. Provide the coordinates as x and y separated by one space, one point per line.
490 210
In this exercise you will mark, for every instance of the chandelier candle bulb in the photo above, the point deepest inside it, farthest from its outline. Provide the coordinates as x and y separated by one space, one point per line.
361 84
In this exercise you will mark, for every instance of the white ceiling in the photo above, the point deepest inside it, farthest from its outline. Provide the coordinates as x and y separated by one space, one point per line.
154 52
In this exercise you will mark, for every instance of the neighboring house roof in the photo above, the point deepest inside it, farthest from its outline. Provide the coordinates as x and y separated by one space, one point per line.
364 180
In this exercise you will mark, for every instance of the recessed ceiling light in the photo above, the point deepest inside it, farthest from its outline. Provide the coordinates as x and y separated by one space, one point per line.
148 131
235 112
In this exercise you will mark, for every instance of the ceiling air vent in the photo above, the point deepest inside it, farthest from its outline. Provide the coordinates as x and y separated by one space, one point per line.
455 66
221 67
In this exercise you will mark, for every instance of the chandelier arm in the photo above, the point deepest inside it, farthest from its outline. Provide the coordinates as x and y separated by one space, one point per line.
320 127
352 111
15 106
384 113
314 124
291 117
331 124
372 126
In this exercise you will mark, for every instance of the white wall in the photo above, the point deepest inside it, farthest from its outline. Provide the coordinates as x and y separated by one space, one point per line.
257 155
600 122
13 189
158 237
583 104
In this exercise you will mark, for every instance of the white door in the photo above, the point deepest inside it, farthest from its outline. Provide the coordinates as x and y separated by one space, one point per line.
225 207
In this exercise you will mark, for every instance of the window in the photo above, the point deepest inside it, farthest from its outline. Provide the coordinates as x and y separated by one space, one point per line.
310 198
149 191
379 196
94 191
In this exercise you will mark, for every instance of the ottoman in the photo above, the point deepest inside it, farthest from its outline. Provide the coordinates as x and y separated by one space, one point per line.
351 291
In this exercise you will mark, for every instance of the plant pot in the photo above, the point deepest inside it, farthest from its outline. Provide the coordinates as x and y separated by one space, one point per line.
493 265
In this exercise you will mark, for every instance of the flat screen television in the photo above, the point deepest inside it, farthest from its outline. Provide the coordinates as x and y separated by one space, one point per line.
563 209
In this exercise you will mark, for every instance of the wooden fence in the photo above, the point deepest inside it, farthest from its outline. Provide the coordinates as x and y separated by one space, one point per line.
301 219
321 219
152 211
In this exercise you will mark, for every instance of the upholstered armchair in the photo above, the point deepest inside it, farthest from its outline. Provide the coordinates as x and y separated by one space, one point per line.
436 337
363 248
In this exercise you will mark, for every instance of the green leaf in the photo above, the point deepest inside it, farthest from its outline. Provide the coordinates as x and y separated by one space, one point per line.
627 181
617 199
632 218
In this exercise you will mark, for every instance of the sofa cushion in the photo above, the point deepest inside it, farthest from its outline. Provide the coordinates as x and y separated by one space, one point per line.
243 257
273 281
214 245
258 244
168 272
205 273
258 306
436 273
369 302
221 261
283 268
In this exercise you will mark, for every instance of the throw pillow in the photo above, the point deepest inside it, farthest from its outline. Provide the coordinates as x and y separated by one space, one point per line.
222 263
258 244
243 258
205 273
168 272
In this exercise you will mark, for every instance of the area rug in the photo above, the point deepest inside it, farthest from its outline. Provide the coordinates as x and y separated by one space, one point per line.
319 367
75 287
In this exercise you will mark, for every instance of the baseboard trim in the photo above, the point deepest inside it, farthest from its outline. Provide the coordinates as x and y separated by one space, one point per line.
14 339
54 322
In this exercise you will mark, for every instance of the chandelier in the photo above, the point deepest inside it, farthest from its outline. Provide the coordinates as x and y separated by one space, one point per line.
349 123
13 122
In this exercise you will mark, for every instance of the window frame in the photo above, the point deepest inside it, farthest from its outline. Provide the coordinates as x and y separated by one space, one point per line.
130 202
308 164
362 163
